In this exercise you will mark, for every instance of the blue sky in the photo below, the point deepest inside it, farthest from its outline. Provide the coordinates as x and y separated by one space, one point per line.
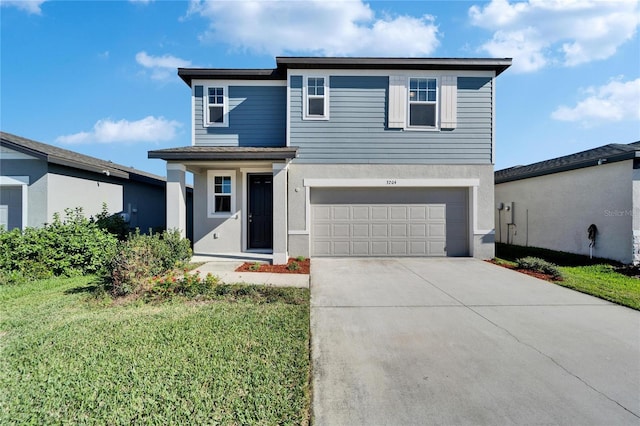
100 77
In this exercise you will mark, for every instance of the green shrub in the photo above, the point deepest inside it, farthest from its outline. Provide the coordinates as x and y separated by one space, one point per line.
538 265
142 257
293 266
112 223
301 258
69 247
255 266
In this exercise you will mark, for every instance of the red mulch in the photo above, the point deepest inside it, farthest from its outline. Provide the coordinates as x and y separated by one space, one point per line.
535 274
305 267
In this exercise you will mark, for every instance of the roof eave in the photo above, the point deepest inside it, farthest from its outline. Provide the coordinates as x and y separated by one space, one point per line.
222 156
566 168
107 171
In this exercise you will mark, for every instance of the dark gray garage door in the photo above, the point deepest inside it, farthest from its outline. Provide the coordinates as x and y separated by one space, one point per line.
383 222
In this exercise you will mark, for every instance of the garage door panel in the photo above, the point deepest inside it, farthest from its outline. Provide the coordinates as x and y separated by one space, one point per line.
379 248
379 213
353 227
399 230
379 230
418 230
340 230
322 230
436 213
321 248
341 248
360 212
360 248
418 248
360 230
398 248
322 212
341 212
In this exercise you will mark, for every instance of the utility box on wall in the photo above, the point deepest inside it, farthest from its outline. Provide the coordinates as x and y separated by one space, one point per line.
508 212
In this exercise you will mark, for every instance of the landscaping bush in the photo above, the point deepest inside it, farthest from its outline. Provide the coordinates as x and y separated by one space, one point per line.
538 265
113 223
142 257
68 247
187 285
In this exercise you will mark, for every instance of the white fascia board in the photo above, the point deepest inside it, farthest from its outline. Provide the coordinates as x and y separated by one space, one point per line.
391 183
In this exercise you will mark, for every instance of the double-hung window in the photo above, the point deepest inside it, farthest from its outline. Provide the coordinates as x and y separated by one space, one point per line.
316 104
423 102
221 194
216 106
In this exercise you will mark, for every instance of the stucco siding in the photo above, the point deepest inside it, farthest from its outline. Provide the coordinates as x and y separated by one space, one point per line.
356 131
68 192
257 117
554 211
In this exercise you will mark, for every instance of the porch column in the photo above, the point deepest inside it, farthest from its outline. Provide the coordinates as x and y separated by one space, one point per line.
280 255
176 198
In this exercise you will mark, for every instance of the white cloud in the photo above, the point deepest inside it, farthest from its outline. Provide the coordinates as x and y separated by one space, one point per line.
318 27
148 129
162 67
29 6
538 33
615 101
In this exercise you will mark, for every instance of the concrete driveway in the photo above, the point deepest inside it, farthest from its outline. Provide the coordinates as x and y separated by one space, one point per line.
461 341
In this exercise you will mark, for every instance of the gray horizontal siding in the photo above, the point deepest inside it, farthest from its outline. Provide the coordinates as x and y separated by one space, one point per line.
257 118
356 130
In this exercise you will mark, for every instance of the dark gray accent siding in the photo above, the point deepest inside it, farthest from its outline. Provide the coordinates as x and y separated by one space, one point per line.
257 117
356 131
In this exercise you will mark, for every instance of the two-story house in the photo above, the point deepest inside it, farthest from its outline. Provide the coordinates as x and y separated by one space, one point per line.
340 157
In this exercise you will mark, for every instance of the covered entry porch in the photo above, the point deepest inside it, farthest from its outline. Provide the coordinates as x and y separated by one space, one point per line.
240 198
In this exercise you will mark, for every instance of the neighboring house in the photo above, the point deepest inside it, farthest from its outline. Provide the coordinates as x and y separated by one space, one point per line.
551 204
38 180
340 157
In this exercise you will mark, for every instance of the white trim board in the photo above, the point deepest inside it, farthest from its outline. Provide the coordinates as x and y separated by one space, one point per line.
390 183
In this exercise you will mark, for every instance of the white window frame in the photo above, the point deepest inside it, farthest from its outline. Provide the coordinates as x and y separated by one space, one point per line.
211 176
436 103
307 96
225 105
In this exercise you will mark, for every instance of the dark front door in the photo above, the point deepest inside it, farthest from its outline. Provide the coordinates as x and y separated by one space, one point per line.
260 214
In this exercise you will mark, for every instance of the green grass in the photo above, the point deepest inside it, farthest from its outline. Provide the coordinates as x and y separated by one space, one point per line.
604 282
597 277
69 357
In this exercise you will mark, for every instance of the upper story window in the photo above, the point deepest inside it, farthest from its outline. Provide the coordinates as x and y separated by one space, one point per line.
215 101
423 102
316 103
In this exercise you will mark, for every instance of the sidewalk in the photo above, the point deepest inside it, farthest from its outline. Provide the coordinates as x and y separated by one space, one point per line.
225 270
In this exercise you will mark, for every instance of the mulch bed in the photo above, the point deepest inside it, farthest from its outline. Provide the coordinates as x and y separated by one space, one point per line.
305 267
534 274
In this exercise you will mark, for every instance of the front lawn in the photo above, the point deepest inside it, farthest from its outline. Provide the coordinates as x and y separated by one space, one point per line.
604 282
69 357
597 277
